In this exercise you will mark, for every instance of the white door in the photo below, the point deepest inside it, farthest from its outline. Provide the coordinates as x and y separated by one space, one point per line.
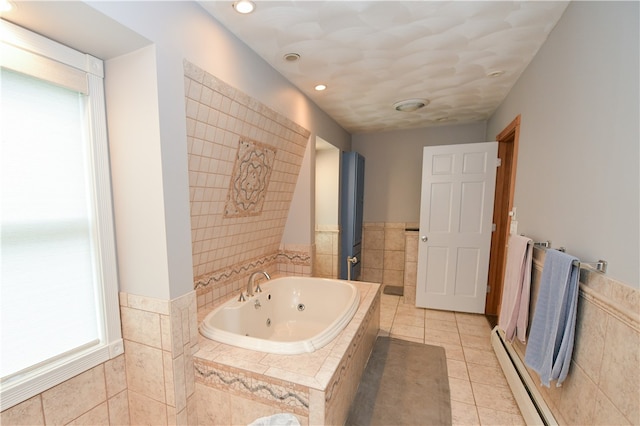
456 210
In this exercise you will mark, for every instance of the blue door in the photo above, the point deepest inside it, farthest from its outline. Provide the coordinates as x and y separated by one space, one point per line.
352 202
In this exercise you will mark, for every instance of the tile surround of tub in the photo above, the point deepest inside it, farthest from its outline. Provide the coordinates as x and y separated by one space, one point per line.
160 337
602 385
317 387
289 260
226 131
326 259
98 396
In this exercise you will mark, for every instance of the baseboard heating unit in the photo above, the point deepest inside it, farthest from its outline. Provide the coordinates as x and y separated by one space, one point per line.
534 409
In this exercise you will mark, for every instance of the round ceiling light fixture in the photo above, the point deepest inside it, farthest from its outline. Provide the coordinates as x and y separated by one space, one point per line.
291 57
321 87
410 105
244 6
494 74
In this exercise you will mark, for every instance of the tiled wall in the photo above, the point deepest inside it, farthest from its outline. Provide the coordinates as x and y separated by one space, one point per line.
326 259
244 160
160 338
96 397
410 266
384 252
603 385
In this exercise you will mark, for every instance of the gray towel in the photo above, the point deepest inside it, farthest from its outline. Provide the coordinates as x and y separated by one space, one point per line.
550 344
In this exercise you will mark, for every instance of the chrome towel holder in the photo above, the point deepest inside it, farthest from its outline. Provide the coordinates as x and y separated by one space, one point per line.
600 265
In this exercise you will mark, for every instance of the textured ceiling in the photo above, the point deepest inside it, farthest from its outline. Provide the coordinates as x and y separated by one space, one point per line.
374 53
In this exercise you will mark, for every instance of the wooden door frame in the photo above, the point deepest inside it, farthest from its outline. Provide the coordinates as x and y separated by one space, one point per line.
502 206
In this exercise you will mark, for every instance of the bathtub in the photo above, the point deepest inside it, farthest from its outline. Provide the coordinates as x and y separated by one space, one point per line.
292 315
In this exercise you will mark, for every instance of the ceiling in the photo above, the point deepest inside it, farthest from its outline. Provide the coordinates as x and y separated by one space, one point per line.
462 56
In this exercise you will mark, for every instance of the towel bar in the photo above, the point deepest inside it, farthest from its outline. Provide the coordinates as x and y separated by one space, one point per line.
600 265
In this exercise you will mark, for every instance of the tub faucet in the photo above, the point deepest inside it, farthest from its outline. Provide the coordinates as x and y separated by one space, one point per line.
250 287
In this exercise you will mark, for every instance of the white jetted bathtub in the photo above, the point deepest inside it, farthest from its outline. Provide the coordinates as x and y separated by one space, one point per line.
291 315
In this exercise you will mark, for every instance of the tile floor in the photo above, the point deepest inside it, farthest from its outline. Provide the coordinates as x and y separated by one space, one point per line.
480 394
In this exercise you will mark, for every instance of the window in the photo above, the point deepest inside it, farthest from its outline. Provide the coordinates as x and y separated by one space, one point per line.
59 313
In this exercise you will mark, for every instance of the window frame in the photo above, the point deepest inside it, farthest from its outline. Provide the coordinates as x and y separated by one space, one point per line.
44 54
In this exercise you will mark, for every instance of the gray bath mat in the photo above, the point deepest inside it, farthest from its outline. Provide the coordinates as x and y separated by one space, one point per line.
404 383
394 290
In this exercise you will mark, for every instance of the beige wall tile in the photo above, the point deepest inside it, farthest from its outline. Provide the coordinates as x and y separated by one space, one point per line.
185 327
216 123
620 373
324 265
324 242
169 379
394 260
192 410
372 275
605 413
391 277
409 297
316 407
146 411
214 406
577 400
189 373
176 333
394 238
180 382
94 417
410 274
141 326
373 259
148 304
165 331
119 409
145 371
76 396
373 238
591 325
411 247
28 413
115 375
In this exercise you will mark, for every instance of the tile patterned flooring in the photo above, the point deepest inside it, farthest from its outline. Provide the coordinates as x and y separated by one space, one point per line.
480 394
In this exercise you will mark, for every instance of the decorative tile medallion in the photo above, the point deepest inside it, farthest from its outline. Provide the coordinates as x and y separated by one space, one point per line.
250 179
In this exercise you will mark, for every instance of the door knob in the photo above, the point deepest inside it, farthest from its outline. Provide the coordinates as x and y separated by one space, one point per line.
424 238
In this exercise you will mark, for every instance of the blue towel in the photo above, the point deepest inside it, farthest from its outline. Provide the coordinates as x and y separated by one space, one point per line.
550 344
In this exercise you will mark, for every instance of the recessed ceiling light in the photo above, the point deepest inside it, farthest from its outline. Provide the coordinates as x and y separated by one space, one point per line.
244 6
496 73
321 87
410 105
291 57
